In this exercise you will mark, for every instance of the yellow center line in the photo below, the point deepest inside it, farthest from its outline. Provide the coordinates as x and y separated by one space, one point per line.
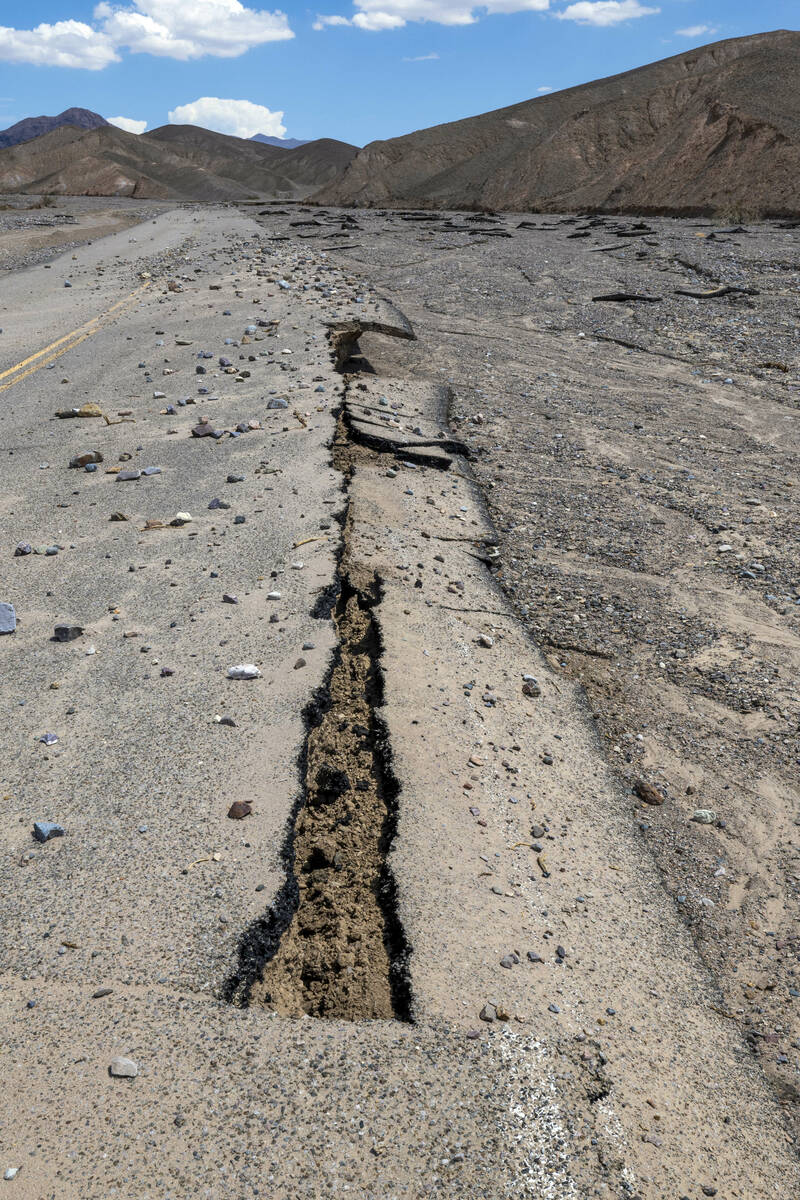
68 342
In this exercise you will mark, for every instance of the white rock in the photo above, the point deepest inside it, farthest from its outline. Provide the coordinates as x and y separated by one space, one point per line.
244 671
273 595
485 640
123 1068
11 1173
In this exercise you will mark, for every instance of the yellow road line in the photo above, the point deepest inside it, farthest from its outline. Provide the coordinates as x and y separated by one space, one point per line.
68 342
46 361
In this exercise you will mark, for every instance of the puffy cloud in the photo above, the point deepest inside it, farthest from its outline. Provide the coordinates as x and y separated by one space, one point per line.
182 29
128 124
376 15
177 29
605 12
241 118
376 21
695 31
544 91
64 44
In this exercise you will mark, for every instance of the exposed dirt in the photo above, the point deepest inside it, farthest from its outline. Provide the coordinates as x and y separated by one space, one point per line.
338 958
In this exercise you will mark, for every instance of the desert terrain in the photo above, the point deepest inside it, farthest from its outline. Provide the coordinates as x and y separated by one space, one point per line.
485 883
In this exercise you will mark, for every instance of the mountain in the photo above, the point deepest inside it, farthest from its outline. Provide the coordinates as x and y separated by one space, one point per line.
281 143
175 162
715 128
33 127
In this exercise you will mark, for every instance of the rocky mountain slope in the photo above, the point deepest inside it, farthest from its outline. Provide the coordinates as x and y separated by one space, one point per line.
714 129
175 162
33 127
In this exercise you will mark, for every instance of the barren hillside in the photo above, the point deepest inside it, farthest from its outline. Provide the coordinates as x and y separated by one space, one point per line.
180 162
712 129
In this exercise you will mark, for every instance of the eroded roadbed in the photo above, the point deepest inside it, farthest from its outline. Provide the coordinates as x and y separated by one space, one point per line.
375 920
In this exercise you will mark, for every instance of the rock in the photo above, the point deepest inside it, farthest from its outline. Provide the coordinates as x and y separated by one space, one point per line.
103 991
235 479
22 548
704 816
227 598
49 739
123 1068
83 460
10 1173
240 809
301 662
126 476
647 793
531 689
43 831
485 640
533 957
67 633
151 470
217 503
488 1013
181 518
508 961
8 617
278 402
244 671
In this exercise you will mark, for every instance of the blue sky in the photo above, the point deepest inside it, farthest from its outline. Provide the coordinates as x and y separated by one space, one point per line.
353 69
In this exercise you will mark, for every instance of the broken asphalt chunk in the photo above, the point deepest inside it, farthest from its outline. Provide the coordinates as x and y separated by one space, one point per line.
240 809
67 633
43 831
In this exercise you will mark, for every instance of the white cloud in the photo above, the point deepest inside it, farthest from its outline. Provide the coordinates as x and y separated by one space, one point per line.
323 22
241 118
128 124
376 15
65 44
544 91
166 28
422 58
605 12
695 31
177 29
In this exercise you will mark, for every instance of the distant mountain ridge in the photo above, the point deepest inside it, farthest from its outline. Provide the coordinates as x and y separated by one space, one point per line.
175 162
715 129
33 127
281 143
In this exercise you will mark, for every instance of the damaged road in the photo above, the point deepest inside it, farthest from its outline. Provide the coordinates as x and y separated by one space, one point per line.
431 957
